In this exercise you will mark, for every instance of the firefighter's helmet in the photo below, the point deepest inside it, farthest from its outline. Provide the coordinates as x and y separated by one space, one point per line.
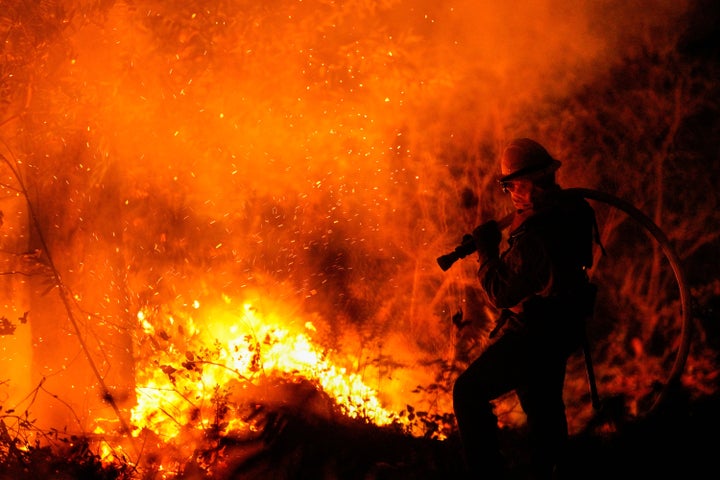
525 157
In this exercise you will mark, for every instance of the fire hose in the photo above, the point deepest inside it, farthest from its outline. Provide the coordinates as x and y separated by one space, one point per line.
467 247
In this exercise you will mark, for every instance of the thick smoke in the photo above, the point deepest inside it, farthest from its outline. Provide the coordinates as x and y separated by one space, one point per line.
311 153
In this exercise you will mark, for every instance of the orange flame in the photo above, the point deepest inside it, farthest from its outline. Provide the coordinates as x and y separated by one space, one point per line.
182 377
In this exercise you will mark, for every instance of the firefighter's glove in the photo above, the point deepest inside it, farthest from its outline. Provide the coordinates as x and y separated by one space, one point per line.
487 240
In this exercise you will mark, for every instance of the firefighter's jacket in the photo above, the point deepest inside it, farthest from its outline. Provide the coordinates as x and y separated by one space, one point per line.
540 280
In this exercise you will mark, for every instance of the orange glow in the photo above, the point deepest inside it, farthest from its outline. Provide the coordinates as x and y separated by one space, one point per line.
239 198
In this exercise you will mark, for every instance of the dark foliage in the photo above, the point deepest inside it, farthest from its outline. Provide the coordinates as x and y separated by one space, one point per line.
70 458
677 440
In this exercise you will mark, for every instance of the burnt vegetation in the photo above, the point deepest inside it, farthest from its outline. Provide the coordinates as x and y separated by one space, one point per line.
646 130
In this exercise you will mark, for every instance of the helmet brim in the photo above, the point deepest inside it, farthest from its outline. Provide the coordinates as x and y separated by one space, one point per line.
532 170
